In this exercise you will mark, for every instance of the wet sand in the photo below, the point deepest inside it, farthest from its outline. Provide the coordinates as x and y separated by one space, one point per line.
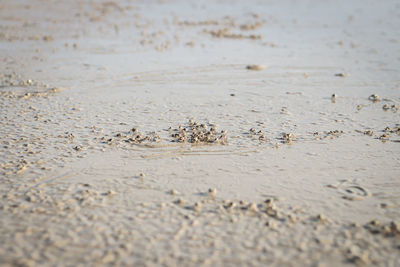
195 133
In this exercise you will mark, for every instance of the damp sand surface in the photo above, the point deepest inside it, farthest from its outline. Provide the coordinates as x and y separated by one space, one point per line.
195 133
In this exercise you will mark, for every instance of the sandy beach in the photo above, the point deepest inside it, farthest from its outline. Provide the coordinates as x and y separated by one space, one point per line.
199 133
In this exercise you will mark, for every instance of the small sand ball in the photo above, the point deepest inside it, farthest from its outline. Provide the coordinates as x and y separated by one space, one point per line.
212 192
369 132
384 137
110 193
252 207
180 202
271 224
197 206
321 218
173 192
374 98
269 202
273 212
228 204
395 227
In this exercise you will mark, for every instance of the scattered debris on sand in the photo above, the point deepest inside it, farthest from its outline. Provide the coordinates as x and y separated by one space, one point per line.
198 133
